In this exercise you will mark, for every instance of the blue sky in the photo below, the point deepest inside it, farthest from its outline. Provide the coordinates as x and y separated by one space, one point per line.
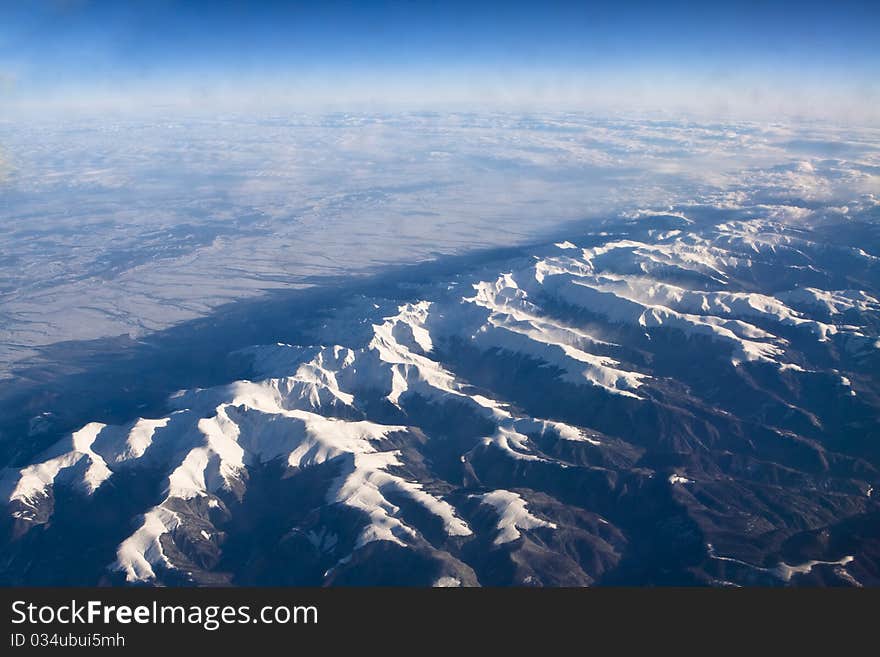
645 54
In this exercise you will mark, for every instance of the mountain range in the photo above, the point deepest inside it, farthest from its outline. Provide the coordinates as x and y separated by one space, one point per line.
668 397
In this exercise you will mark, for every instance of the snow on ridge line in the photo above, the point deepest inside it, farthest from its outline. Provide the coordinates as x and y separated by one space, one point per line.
617 292
742 336
239 433
515 324
214 466
513 515
70 460
834 302
139 554
395 368
782 570
734 305
217 455
363 486
119 445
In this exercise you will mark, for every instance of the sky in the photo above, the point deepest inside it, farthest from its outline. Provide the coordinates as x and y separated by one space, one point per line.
815 59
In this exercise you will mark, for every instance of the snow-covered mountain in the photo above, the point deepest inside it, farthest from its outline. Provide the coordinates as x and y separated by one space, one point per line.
665 399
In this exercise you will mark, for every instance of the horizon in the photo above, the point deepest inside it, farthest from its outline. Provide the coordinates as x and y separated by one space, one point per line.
748 61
